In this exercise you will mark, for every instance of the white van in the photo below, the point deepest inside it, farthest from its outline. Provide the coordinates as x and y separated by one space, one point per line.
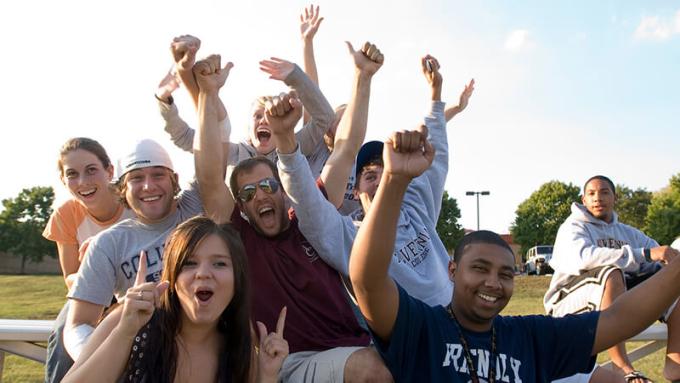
537 260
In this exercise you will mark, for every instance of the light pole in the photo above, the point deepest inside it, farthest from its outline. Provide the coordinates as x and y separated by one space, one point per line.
477 193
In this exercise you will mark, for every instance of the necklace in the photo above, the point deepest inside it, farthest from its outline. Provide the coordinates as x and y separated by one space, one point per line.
468 355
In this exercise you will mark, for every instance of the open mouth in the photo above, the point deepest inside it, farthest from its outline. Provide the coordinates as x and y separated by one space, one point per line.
266 211
204 295
151 199
263 135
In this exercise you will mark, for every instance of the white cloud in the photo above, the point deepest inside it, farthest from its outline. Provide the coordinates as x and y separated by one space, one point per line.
518 40
657 28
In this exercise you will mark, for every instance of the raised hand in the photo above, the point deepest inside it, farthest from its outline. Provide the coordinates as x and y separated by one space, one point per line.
168 84
430 67
184 50
210 75
309 22
282 113
140 300
408 153
368 59
273 349
465 95
278 69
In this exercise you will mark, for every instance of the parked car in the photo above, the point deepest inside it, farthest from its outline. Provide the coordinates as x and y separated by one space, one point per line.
537 260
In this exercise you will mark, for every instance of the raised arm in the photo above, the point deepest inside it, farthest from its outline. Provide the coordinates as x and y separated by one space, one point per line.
430 187
309 24
181 134
406 155
323 226
184 49
209 156
463 100
638 308
352 128
111 342
312 99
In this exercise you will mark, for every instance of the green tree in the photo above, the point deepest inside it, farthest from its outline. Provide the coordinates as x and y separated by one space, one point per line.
663 217
448 228
22 222
632 205
539 217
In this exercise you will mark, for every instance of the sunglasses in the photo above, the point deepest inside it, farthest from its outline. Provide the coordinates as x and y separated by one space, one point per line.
267 185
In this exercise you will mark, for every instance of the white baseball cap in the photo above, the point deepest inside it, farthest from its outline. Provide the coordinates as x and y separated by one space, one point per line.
146 153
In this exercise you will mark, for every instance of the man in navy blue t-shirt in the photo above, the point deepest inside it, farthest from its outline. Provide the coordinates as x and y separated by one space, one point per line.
468 341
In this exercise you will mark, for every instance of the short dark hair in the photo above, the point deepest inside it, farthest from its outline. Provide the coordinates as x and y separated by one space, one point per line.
601 178
480 236
375 161
246 166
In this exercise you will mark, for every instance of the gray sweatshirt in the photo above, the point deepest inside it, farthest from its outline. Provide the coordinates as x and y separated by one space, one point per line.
584 242
420 260
310 136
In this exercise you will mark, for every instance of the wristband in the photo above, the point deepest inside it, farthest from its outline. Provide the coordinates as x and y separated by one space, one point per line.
169 101
648 254
75 339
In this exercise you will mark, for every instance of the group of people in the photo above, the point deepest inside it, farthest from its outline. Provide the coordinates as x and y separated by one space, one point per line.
312 256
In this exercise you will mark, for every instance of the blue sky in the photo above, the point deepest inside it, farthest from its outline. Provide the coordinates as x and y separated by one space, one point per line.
564 90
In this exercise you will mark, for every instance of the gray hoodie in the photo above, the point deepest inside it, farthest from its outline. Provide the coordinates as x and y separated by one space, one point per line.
420 260
584 242
310 136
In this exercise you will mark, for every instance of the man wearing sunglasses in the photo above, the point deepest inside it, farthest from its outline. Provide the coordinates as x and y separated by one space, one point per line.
326 342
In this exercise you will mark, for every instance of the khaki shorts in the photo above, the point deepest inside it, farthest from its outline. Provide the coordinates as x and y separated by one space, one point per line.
316 366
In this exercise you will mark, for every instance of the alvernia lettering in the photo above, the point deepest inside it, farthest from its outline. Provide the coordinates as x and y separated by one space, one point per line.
507 368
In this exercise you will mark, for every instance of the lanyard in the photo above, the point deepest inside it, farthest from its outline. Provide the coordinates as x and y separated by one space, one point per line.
468 355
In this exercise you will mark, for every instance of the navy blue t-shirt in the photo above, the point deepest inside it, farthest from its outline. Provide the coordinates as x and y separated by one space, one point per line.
425 346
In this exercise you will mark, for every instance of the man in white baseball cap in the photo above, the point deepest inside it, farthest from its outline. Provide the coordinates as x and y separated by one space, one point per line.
148 185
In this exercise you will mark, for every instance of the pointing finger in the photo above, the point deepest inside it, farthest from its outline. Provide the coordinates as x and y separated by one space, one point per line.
141 269
281 323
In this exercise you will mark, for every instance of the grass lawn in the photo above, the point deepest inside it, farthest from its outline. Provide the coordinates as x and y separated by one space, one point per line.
41 297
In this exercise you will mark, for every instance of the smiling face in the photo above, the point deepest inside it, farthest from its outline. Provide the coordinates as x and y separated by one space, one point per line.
266 212
599 199
205 283
484 281
259 133
83 173
150 193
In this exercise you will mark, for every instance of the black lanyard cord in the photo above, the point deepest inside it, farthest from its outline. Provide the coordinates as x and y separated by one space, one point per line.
468 355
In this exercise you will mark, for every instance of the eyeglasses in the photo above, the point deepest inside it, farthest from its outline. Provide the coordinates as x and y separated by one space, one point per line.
268 185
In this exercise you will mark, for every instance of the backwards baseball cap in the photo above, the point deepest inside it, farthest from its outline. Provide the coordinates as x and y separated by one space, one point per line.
146 153
368 152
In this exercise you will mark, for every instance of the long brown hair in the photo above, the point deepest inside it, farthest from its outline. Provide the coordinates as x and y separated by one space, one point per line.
234 322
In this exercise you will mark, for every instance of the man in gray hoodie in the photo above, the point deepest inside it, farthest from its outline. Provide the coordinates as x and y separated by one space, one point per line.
420 260
596 258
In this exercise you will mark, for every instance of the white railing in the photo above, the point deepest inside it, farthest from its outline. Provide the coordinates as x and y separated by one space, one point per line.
19 337
656 337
